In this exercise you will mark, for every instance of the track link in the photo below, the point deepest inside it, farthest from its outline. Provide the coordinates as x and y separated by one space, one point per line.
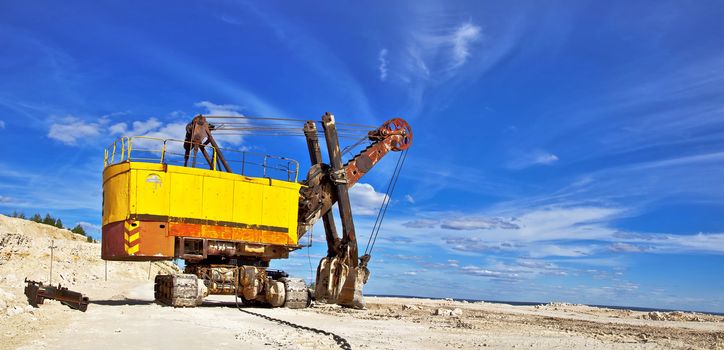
297 295
179 290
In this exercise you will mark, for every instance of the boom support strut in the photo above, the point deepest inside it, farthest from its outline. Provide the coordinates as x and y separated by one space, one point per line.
342 273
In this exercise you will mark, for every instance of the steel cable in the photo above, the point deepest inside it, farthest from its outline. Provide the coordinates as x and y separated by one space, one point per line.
352 146
384 200
386 203
341 342
285 120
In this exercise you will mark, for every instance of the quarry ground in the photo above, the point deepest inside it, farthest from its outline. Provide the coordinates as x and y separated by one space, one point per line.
122 314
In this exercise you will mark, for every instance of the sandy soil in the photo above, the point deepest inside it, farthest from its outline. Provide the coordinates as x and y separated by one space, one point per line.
122 315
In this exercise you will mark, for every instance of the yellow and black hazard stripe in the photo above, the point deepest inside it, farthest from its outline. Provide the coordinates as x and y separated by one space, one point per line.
131 234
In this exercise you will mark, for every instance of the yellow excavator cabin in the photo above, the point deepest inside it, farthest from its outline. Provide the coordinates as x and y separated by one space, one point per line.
154 210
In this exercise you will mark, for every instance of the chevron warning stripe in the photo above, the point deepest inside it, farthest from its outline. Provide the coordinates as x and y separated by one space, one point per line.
131 234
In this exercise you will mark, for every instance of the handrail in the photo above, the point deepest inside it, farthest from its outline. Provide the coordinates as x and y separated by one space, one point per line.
140 148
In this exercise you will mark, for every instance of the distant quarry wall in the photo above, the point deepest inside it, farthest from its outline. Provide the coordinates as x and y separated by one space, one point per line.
25 253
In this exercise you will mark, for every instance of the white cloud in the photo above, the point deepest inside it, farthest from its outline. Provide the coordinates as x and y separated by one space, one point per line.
440 58
230 20
5 200
118 129
70 129
536 157
626 248
2 124
89 227
409 199
461 40
382 58
421 224
483 272
176 130
141 127
219 110
138 128
365 200
546 158
572 231
477 223
320 58
444 50
229 110
567 250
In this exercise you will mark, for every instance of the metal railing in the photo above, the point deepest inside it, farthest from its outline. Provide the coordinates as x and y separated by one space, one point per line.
164 151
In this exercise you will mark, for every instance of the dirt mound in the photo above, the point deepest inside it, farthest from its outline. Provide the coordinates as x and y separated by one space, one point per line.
25 253
680 316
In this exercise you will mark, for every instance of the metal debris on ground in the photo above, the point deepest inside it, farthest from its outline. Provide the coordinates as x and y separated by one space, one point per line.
37 293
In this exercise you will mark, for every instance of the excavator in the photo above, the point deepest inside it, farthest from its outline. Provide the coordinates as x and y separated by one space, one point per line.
227 225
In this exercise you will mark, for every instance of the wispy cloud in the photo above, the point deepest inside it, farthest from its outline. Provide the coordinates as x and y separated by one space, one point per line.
154 129
172 62
445 49
421 223
563 231
220 109
137 127
2 124
32 189
462 39
90 227
627 248
410 199
516 270
478 223
382 58
69 130
176 130
533 158
649 183
439 56
317 56
641 111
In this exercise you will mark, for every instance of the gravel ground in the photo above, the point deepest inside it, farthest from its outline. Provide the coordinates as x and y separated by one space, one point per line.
122 314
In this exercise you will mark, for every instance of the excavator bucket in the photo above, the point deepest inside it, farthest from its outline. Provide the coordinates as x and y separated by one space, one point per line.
351 294
338 283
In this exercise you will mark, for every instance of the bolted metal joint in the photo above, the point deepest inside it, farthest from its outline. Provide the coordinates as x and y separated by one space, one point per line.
339 176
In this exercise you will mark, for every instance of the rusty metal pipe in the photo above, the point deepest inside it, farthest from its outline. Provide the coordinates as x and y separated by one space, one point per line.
37 293
315 156
339 177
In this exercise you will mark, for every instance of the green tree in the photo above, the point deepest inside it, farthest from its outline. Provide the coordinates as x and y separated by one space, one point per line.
58 223
21 216
48 220
37 218
79 230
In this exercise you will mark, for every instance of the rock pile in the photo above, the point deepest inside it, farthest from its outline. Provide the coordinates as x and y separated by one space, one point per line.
456 312
25 253
672 316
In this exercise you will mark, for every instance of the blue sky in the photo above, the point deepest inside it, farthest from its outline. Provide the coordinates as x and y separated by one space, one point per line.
563 151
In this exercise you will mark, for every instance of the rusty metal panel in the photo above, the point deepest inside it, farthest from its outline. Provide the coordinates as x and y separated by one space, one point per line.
135 240
36 293
260 234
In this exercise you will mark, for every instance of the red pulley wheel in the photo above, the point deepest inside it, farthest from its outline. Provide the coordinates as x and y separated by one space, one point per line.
396 124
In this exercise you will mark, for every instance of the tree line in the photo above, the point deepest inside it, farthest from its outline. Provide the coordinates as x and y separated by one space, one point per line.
51 221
